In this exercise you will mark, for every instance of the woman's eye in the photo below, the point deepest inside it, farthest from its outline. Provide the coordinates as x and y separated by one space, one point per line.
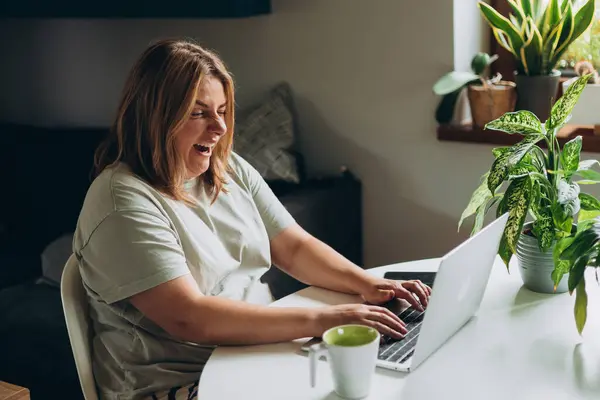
197 114
222 112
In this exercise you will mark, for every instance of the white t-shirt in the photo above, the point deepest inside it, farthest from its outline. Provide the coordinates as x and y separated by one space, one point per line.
130 238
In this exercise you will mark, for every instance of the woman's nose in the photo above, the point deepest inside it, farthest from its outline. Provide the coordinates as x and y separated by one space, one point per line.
218 126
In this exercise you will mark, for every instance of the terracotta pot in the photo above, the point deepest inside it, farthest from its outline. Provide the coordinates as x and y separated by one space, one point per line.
491 102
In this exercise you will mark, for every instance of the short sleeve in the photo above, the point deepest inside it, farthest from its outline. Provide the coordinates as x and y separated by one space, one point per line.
272 212
129 252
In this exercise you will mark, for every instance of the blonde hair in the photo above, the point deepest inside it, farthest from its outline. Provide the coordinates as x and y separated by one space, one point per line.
157 99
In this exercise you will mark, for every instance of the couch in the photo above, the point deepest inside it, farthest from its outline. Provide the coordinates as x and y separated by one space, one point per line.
44 175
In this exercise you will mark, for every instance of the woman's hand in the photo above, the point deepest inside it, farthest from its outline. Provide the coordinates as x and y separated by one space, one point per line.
379 291
382 319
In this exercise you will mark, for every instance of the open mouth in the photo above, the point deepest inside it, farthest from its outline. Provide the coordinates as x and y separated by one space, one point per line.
202 149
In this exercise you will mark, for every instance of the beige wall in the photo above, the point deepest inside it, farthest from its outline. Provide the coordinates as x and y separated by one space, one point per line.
362 72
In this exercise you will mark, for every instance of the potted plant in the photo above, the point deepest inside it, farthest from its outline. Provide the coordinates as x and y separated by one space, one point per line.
543 185
537 37
488 97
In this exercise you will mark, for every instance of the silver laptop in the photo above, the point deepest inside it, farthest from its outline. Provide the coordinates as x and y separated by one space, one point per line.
457 291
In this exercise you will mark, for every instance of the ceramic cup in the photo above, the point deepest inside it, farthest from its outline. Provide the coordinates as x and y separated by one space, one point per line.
351 351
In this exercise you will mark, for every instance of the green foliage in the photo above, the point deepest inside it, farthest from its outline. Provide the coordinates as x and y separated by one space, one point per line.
536 37
546 185
455 80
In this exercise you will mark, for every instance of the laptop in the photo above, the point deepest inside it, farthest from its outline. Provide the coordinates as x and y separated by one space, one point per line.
458 288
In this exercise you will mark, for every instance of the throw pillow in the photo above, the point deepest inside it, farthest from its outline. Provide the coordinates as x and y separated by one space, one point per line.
265 136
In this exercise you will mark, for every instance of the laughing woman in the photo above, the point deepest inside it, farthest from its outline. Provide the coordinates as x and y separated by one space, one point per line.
176 230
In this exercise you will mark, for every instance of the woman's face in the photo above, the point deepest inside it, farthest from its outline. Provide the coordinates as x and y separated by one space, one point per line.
203 129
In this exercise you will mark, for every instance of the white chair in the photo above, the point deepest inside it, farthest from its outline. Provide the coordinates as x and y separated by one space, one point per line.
76 310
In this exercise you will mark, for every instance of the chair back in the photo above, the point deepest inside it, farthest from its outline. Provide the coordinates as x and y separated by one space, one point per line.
77 317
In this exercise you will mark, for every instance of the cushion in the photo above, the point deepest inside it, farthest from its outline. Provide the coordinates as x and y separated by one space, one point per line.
266 136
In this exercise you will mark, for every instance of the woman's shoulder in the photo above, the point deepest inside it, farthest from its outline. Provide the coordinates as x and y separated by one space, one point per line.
241 168
116 188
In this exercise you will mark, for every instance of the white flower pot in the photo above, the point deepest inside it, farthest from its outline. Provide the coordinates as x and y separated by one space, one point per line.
586 109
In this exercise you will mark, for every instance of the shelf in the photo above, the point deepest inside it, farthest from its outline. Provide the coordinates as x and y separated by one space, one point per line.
471 134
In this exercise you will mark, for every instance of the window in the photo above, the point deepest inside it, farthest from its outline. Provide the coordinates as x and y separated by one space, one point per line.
587 46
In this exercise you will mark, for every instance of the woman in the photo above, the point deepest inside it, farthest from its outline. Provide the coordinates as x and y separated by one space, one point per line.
176 230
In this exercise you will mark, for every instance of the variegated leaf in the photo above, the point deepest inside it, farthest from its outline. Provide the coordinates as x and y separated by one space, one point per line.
568 197
482 212
498 151
589 202
543 229
518 196
522 122
507 160
580 309
569 158
504 251
480 196
564 106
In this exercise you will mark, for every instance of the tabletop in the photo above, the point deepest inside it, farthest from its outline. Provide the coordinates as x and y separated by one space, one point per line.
520 345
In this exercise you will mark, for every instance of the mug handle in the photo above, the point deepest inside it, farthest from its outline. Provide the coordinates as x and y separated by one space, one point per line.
314 352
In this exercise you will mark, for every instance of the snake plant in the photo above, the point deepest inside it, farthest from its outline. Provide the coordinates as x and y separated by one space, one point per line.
536 36
543 184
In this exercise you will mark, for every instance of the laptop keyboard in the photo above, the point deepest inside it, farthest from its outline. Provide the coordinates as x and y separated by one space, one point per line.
399 350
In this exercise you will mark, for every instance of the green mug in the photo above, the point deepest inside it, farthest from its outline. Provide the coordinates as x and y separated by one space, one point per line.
352 354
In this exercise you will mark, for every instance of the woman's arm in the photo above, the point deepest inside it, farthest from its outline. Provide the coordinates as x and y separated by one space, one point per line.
315 263
182 311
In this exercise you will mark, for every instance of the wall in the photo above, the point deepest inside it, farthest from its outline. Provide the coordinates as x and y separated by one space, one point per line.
362 72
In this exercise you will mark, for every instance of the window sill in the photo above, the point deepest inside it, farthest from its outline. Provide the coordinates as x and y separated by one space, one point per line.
470 134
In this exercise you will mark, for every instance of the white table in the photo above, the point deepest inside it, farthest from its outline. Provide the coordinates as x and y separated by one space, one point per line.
521 345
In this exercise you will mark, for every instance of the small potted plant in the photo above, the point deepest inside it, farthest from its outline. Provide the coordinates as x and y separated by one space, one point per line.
542 184
488 97
537 37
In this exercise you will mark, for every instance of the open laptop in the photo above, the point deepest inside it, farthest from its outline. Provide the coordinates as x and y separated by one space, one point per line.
459 285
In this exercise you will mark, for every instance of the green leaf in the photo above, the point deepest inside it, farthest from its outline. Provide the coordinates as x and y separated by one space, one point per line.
586 216
479 197
527 9
567 30
504 251
569 157
543 229
582 20
453 81
498 21
532 48
564 106
561 267
550 18
518 197
580 309
502 207
576 273
584 240
589 175
522 122
498 151
517 11
481 213
589 202
506 161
